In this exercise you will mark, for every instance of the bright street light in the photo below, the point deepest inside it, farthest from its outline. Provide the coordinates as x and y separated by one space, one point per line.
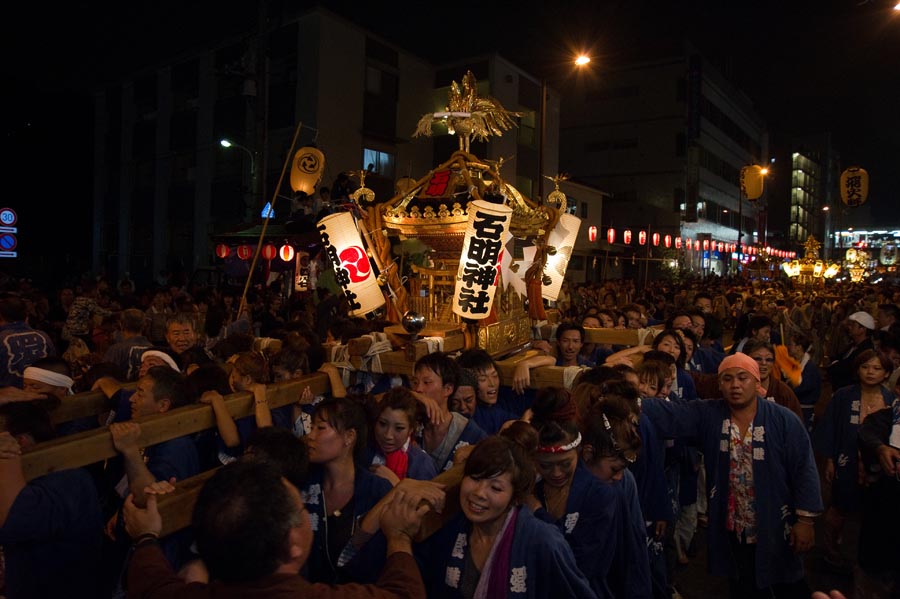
582 60
250 198
764 171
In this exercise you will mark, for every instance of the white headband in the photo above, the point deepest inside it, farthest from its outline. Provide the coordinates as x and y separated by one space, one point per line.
162 356
49 377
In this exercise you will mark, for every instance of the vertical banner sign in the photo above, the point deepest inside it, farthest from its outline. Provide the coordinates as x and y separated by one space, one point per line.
301 272
352 269
476 279
854 186
563 239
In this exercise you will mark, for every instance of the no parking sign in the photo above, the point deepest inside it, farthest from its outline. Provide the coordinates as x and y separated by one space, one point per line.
8 230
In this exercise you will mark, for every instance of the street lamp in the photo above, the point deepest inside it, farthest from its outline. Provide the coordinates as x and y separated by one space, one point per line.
580 61
751 176
249 200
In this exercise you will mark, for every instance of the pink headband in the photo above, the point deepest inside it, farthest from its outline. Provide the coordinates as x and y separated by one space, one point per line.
744 362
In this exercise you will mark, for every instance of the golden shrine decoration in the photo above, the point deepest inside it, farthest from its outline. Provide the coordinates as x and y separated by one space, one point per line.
810 270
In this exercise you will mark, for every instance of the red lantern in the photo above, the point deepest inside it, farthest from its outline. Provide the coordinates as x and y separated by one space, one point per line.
610 236
696 245
269 251
667 241
223 251
244 252
721 247
642 237
678 243
592 233
688 243
705 245
286 252
626 236
655 239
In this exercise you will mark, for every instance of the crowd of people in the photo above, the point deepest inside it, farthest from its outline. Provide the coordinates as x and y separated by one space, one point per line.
746 398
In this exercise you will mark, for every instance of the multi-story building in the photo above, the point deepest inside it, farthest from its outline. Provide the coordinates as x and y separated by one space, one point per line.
667 138
164 185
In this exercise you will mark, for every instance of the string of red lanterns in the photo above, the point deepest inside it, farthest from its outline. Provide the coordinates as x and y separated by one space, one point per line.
687 243
268 252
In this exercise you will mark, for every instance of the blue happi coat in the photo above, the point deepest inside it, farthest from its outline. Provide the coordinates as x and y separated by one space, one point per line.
784 476
368 489
592 525
836 438
541 562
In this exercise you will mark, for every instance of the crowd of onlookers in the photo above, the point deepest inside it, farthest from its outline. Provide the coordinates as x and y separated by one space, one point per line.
594 487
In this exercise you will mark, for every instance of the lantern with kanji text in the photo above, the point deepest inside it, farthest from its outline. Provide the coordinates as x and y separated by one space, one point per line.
352 270
592 233
223 251
610 236
854 186
626 236
655 238
244 252
642 237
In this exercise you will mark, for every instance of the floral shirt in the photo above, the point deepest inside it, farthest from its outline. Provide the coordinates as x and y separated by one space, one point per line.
741 517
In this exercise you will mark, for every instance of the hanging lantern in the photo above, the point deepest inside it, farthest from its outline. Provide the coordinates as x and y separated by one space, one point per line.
667 241
244 252
562 238
642 237
301 272
752 182
269 251
286 252
721 247
309 163
476 278
655 238
696 245
688 243
678 243
352 270
626 236
610 236
592 233
223 251
705 245
854 186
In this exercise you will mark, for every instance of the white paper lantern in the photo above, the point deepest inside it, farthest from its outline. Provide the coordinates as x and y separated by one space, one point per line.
352 269
563 239
476 279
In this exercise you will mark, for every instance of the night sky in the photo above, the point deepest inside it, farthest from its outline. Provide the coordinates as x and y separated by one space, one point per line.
809 68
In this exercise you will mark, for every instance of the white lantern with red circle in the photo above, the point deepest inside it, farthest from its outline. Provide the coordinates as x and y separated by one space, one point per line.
244 252
223 251
610 236
479 262
352 269
286 252
592 233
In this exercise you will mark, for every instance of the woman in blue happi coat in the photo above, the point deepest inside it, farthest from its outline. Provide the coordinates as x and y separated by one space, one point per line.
836 440
392 454
591 514
761 479
496 547
339 491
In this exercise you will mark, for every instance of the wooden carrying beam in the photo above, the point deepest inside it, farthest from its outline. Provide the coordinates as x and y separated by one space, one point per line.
82 405
85 448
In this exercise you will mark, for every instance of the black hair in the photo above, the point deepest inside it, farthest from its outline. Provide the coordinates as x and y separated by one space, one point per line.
867 355
344 414
476 359
279 446
758 322
554 416
27 418
208 377
171 385
565 327
242 521
498 454
676 335
13 308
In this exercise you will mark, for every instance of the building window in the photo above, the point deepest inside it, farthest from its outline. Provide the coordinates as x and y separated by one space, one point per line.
381 163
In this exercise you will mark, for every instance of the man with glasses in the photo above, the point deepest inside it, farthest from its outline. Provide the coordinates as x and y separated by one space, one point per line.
763 354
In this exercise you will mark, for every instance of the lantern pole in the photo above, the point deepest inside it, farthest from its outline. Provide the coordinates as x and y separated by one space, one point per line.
262 234
740 226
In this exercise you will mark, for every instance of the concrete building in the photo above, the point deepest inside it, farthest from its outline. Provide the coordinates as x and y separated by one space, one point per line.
667 138
163 185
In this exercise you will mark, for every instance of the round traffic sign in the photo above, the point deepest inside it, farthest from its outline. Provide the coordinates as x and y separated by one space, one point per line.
8 242
8 217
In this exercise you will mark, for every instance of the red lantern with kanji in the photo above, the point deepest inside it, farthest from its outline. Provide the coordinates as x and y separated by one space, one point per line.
269 251
667 241
655 238
696 245
642 237
688 243
592 233
610 236
286 252
223 251
626 236
244 252
705 244
721 247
